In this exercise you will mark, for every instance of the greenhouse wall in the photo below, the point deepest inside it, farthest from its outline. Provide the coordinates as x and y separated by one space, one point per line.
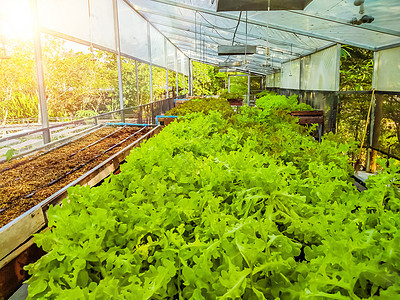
387 70
320 71
290 75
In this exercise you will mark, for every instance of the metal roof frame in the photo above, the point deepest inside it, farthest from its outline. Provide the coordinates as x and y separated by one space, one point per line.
191 21
265 24
174 16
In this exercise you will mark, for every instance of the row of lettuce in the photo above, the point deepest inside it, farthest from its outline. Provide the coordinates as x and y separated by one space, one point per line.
239 206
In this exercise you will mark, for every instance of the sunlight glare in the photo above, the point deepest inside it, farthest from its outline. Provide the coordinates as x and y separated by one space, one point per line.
15 19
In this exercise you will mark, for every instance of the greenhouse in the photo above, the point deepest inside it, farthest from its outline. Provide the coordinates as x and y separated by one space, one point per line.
210 149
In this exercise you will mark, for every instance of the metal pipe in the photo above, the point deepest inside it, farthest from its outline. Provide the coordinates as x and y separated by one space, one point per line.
150 63
119 64
184 84
166 66
137 84
44 116
176 72
191 77
248 90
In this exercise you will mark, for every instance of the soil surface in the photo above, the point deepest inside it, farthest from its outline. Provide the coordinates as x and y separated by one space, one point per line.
30 180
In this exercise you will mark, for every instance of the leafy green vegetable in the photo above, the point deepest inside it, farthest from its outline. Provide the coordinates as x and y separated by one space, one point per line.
230 95
273 101
249 207
202 105
9 154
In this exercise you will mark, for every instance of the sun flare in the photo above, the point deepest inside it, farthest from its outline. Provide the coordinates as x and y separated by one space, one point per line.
15 19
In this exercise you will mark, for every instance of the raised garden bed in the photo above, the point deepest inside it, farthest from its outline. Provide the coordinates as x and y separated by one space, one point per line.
308 117
165 120
113 147
28 181
236 101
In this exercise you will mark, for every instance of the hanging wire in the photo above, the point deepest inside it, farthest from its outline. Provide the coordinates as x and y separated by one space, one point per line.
267 49
195 31
215 26
245 47
237 26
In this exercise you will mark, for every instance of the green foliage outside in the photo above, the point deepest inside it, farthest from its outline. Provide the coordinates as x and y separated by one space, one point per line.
230 95
76 80
356 71
249 207
206 79
202 105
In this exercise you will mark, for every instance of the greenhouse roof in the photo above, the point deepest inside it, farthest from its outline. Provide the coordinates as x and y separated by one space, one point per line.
197 29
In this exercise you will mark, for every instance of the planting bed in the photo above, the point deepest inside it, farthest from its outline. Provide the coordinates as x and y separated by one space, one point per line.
27 181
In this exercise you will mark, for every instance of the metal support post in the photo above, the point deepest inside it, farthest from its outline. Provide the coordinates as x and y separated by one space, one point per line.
137 84
378 115
248 90
262 83
119 64
44 114
184 84
176 73
166 66
371 134
191 77
177 84
150 63
229 83
166 87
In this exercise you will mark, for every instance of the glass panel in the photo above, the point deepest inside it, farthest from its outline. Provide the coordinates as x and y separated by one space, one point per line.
389 139
144 82
57 16
102 23
270 82
387 70
277 80
181 65
291 75
129 82
159 83
157 48
319 71
186 67
171 56
78 83
133 32
172 83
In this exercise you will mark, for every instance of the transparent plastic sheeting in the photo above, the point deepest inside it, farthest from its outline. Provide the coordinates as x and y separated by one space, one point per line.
269 80
288 34
180 62
320 71
71 17
133 32
157 48
290 76
277 79
273 80
387 70
171 56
